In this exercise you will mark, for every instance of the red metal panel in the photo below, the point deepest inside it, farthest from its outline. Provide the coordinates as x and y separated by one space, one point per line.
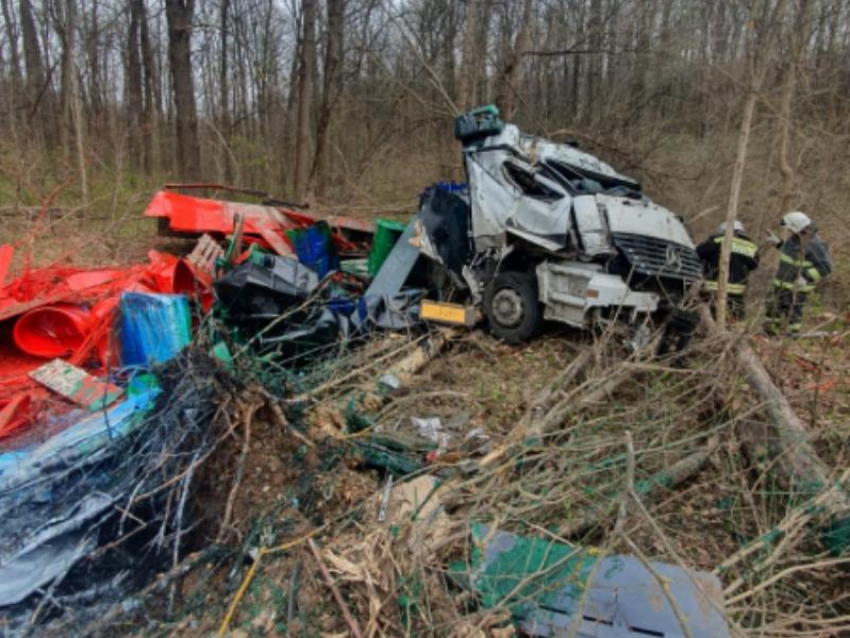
197 215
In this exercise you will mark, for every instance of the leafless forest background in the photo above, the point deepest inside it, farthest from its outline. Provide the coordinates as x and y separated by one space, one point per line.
349 103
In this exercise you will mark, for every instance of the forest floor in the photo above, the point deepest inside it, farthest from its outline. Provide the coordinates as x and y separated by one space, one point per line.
577 470
672 410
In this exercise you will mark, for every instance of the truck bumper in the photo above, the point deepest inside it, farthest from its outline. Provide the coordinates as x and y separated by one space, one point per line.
570 291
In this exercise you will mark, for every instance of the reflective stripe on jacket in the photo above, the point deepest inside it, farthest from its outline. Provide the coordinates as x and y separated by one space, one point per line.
732 289
742 261
802 257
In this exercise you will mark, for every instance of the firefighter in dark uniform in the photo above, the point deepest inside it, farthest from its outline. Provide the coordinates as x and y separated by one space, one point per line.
804 260
743 259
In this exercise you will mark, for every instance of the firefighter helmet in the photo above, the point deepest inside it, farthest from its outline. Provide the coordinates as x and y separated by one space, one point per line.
796 222
737 226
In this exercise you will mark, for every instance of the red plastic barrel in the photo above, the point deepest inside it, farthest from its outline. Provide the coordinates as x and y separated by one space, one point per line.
102 321
51 331
171 274
183 279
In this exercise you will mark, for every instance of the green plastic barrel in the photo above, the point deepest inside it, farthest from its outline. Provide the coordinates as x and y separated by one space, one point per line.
387 233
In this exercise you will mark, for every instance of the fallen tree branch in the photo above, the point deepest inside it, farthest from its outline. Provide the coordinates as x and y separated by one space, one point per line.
329 581
798 517
619 530
535 418
425 352
247 417
648 488
799 462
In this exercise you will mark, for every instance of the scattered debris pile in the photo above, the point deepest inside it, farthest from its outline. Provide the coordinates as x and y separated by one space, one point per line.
265 437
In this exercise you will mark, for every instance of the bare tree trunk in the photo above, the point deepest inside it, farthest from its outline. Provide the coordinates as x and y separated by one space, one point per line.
152 96
179 15
134 86
593 70
796 457
466 81
12 37
759 54
79 132
480 78
224 86
72 134
330 93
506 91
305 98
95 87
290 118
732 209
65 29
799 38
38 93
15 63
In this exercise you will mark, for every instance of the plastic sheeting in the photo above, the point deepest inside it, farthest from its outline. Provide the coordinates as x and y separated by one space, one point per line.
444 214
49 504
264 287
544 583
397 266
154 327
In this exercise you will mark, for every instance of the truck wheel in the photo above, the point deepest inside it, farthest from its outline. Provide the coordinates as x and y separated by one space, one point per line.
511 306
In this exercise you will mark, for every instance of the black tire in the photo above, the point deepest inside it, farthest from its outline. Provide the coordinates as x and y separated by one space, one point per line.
512 308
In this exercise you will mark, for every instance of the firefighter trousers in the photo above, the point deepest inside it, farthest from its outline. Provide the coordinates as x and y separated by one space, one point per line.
785 310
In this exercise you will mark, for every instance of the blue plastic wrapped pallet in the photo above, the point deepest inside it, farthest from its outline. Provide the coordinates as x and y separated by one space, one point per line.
154 327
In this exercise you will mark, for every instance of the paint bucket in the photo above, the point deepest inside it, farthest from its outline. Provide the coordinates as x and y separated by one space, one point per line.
387 233
51 331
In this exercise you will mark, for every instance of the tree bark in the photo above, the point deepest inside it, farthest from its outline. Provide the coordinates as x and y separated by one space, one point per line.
79 127
224 86
66 28
759 55
732 209
333 85
15 63
179 15
134 86
506 93
466 79
152 96
38 93
72 128
305 99
799 38
800 464
593 72
95 86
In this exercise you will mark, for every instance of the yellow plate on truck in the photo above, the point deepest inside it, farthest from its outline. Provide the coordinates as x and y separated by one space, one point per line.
451 313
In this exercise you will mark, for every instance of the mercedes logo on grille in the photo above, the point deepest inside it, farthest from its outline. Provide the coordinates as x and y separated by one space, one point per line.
674 259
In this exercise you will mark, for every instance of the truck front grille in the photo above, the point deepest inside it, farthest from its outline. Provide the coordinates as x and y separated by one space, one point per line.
655 257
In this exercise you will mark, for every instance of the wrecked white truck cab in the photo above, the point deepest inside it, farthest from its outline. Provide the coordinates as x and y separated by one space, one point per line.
547 231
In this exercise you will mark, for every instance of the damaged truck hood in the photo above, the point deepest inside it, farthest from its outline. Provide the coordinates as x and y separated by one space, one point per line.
644 218
531 188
